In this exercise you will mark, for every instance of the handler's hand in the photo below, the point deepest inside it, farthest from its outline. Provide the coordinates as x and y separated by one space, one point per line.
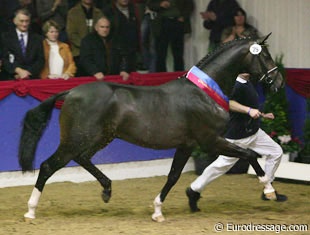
254 113
268 115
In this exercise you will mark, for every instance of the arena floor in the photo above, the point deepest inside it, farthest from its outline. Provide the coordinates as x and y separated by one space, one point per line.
76 208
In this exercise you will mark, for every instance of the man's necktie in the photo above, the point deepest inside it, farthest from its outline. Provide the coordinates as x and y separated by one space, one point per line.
22 44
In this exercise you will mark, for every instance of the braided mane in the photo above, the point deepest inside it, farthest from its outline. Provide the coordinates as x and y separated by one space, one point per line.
219 49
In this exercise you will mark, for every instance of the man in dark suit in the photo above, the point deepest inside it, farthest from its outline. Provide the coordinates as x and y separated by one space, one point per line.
23 56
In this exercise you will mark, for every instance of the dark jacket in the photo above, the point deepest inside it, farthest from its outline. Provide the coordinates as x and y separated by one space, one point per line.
125 38
242 125
185 8
224 10
124 32
94 55
33 61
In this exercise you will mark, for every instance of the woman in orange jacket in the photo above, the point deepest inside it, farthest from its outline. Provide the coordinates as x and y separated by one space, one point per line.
59 62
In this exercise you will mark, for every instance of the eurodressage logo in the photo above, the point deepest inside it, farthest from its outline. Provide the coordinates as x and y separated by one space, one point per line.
208 85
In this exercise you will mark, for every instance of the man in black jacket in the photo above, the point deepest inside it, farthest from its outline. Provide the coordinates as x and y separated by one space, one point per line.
23 56
172 22
95 52
124 34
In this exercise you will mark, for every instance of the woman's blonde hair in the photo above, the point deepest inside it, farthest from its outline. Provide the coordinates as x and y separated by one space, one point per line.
48 24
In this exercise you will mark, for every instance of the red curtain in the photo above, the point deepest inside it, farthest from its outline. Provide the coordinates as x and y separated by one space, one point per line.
299 81
42 89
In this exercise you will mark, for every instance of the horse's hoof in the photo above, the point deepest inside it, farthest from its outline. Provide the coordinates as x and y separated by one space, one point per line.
28 220
158 218
29 217
106 195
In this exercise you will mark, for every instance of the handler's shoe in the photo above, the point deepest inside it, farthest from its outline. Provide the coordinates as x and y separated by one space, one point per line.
274 196
193 198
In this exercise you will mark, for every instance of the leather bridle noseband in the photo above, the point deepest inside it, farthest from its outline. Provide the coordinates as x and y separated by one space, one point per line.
266 78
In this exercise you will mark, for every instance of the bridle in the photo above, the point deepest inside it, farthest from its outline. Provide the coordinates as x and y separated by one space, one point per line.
266 78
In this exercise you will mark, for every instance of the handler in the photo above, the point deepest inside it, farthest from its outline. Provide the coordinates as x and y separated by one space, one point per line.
244 131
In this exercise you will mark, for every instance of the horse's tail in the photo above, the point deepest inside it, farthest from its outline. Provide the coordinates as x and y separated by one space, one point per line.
35 122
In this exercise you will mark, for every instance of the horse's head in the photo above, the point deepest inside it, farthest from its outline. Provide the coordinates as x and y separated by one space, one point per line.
259 63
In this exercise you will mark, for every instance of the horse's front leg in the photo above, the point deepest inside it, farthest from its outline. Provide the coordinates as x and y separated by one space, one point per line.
181 156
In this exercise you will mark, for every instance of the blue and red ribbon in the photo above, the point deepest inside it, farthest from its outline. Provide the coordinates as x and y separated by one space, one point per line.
209 86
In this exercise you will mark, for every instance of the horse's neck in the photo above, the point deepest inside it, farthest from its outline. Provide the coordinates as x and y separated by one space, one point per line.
224 68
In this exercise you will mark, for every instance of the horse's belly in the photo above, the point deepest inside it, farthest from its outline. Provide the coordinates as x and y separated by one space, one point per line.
156 139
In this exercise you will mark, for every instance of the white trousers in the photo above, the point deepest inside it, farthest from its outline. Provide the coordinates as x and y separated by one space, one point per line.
260 142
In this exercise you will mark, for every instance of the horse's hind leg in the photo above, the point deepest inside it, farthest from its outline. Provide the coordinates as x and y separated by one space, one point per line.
226 148
181 156
58 160
103 179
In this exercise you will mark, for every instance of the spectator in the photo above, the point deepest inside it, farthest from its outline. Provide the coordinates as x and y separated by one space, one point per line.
139 6
59 62
80 20
23 56
240 29
55 10
217 17
244 131
124 33
173 21
94 52
9 7
148 47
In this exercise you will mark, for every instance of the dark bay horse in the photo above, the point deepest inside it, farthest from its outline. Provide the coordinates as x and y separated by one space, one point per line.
177 114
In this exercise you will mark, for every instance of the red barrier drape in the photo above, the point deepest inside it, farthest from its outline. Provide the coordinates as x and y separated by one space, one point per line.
42 89
299 81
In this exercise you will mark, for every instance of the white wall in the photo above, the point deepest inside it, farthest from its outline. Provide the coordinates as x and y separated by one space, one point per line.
288 20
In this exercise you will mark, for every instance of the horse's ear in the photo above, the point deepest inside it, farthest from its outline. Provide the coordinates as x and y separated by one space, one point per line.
264 39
